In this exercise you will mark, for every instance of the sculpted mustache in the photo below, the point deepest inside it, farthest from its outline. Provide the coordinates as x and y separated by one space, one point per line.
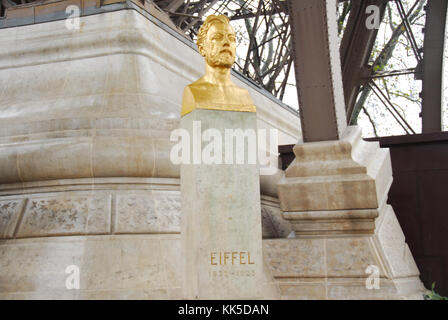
225 50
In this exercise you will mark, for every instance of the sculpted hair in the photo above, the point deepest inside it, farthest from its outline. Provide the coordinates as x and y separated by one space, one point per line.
202 34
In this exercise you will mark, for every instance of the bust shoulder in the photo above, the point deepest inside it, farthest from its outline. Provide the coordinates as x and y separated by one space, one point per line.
205 95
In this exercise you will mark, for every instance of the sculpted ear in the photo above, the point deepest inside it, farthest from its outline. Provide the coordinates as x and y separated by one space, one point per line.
201 50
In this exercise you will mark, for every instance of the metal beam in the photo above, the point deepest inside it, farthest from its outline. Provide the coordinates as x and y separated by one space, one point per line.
317 69
356 48
432 65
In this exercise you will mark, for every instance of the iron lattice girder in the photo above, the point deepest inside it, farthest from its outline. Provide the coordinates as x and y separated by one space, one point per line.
408 28
390 106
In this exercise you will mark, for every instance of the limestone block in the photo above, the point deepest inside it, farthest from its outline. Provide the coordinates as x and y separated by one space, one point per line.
136 214
336 175
410 288
149 212
391 240
50 159
136 152
168 209
355 289
171 248
292 258
349 257
36 266
270 287
134 263
71 215
8 166
110 267
163 167
327 193
10 211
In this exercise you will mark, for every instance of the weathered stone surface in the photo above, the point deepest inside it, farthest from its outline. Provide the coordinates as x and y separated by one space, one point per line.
136 213
355 289
66 215
148 212
295 258
167 205
391 240
36 267
10 211
349 257
135 263
174 263
333 192
111 267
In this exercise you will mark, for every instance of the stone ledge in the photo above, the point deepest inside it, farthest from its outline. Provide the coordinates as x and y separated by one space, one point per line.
90 213
332 222
92 206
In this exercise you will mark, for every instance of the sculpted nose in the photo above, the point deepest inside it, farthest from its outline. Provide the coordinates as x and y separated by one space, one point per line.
226 42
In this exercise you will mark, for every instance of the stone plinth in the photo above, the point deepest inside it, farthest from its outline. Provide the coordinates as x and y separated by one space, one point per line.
335 195
221 221
124 234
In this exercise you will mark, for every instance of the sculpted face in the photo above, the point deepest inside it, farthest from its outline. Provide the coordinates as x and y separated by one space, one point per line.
219 47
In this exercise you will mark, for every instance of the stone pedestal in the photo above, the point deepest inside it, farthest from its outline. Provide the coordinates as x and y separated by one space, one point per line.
221 221
335 195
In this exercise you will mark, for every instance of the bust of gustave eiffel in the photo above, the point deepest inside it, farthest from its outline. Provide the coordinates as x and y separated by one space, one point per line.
215 90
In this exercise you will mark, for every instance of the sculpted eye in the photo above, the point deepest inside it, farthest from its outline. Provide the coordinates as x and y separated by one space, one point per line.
217 37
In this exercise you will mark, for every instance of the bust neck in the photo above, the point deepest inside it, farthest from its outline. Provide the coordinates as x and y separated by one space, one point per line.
219 76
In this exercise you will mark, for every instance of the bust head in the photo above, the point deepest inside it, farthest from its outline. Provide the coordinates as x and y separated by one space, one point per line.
217 42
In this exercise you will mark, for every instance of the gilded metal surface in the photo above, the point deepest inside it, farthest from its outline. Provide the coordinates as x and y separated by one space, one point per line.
215 90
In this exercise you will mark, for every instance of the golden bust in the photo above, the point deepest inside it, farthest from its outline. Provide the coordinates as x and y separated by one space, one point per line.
217 44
